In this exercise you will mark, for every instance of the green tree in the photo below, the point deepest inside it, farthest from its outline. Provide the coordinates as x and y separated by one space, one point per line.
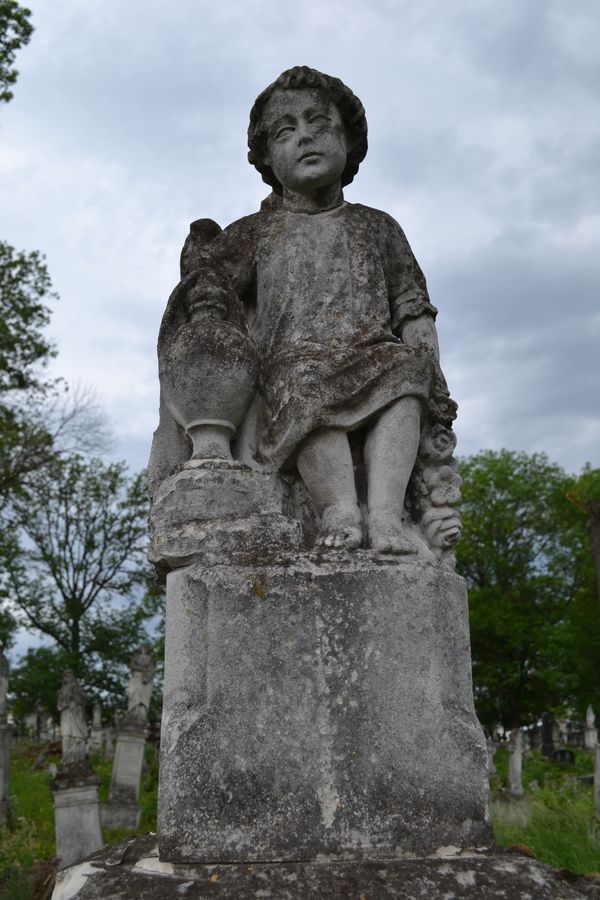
36 681
585 495
25 440
15 32
525 555
77 572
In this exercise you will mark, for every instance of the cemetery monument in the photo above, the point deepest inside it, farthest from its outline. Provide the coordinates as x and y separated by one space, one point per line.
122 809
319 736
75 787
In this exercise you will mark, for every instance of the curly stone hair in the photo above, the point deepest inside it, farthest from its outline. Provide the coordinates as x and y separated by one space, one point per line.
350 108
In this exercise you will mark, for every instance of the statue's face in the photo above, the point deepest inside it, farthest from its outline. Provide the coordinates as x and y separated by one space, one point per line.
307 146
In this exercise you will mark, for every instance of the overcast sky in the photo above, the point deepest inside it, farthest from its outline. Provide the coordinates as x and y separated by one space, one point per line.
129 121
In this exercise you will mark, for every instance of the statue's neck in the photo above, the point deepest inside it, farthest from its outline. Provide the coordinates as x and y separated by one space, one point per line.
317 201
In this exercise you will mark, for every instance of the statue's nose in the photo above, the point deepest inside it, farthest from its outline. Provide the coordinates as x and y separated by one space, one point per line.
304 133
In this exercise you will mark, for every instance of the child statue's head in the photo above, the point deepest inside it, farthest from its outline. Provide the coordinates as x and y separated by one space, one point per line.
307 130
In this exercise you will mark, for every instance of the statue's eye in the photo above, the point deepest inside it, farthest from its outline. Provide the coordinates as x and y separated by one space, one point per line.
319 117
285 130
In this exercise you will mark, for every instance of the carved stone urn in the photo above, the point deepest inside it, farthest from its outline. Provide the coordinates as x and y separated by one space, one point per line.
208 376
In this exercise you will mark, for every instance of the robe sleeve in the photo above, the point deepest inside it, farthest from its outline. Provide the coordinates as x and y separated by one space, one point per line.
407 287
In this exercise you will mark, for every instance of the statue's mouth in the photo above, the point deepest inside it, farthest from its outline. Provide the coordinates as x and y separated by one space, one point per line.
310 154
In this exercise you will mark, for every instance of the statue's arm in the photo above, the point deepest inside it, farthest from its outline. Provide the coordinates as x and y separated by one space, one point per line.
421 331
413 314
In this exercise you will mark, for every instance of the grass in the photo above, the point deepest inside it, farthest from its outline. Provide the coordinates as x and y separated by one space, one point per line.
27 848
555 817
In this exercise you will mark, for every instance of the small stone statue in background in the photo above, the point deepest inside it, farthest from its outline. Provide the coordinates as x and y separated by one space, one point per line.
305 333
4 672
139 689
73 725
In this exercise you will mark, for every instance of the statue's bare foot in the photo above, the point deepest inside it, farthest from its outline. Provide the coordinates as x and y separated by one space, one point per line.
341 528
388 534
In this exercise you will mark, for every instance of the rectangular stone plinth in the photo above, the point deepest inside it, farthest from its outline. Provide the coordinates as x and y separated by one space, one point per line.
319 709
77 821
122 809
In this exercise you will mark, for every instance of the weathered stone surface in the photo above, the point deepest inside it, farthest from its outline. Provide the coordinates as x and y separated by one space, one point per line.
132 869
323 707
215 514
76 818
122 810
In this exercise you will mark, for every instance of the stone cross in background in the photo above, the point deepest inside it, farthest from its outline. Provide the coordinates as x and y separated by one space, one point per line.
590 735
5 740
515 762
75 788
122 810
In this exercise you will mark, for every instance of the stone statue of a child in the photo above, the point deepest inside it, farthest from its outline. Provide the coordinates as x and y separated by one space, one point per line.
339 310
73 725
139 689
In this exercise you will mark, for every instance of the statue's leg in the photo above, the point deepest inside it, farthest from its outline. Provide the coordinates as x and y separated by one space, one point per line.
325 466
390 453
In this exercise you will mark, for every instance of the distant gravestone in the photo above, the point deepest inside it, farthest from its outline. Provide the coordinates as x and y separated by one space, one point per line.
597 781
563 755
75 787
547 734
5 740
515 763
95 740
122 810
590 735
108 742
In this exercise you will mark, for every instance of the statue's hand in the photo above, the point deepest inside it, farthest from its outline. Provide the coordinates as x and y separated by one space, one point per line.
203 296
208 309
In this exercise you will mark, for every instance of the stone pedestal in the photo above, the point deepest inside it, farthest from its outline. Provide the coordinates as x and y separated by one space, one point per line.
5 745
122 810
321 707
132 869
76 816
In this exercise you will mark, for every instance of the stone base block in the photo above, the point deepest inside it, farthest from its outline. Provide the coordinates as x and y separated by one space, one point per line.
133 869
320 709
217 513
120 815
77 820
